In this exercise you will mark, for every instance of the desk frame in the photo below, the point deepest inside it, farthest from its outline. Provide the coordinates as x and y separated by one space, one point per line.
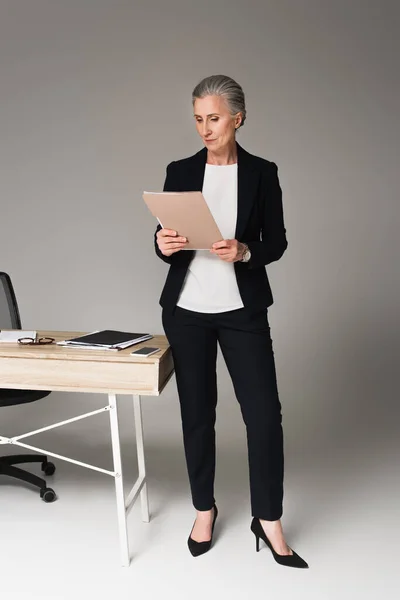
123 505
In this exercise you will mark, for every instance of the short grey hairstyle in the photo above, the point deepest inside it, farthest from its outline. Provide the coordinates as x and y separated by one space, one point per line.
222 85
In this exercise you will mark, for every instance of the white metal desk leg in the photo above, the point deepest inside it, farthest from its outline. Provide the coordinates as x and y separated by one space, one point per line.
119 481
140 455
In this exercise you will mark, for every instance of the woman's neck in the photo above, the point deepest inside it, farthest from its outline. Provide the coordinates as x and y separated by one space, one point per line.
227 156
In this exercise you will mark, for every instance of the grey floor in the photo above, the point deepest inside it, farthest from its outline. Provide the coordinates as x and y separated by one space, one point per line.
341 513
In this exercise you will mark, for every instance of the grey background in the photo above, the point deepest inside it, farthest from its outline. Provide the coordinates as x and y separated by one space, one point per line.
95 102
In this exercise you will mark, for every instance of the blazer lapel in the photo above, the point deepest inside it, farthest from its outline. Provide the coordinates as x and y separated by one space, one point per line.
248 177
194 175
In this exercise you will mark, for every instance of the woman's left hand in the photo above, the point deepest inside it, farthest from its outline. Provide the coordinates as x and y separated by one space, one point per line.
228 250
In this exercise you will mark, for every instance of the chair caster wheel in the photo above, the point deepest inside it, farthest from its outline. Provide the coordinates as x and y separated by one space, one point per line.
48 495
48 468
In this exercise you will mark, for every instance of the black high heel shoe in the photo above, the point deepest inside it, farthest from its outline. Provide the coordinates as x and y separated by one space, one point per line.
197 548
289 560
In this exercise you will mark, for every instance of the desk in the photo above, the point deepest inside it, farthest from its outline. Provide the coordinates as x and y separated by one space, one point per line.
57 368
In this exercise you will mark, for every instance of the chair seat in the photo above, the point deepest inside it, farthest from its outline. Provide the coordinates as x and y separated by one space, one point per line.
11 397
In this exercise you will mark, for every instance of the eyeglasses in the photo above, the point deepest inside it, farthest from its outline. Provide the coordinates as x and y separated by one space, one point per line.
28 341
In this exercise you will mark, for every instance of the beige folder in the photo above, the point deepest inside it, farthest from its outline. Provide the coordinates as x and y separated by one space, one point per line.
188 214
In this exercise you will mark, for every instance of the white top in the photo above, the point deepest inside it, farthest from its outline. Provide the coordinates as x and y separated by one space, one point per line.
210 284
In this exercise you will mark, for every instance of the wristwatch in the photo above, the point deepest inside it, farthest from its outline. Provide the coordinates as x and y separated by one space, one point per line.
246 254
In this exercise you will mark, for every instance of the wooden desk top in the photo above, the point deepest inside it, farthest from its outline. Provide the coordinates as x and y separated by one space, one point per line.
53 351
53 367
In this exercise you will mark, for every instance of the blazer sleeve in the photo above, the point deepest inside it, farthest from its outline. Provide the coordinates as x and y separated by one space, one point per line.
171 184
273 233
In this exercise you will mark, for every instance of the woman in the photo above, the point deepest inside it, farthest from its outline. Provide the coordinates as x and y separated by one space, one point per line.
222 295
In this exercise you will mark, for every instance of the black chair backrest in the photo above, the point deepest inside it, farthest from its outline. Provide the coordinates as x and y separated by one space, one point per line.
9 313
10 319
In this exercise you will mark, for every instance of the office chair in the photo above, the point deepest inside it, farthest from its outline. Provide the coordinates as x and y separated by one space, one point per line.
10 319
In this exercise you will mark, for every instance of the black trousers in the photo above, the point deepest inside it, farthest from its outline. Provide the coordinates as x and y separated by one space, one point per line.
246 345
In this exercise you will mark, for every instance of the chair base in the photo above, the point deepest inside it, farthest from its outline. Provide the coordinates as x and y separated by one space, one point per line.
7 468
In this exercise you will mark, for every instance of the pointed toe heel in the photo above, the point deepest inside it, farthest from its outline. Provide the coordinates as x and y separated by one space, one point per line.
198 548
287 560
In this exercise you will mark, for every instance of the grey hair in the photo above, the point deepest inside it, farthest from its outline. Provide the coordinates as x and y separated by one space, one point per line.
222 85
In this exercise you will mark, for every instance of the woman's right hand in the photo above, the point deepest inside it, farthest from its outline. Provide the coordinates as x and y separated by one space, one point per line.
169 242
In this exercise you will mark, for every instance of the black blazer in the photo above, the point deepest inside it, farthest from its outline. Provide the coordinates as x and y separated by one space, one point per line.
259 224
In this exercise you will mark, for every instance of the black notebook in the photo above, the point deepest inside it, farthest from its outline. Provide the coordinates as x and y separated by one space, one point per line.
109 338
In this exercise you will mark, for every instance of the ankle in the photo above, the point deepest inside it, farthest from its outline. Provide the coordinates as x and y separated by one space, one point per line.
270 522
205 514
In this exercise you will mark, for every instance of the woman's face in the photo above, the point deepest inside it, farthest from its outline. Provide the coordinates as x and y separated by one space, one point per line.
215 124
